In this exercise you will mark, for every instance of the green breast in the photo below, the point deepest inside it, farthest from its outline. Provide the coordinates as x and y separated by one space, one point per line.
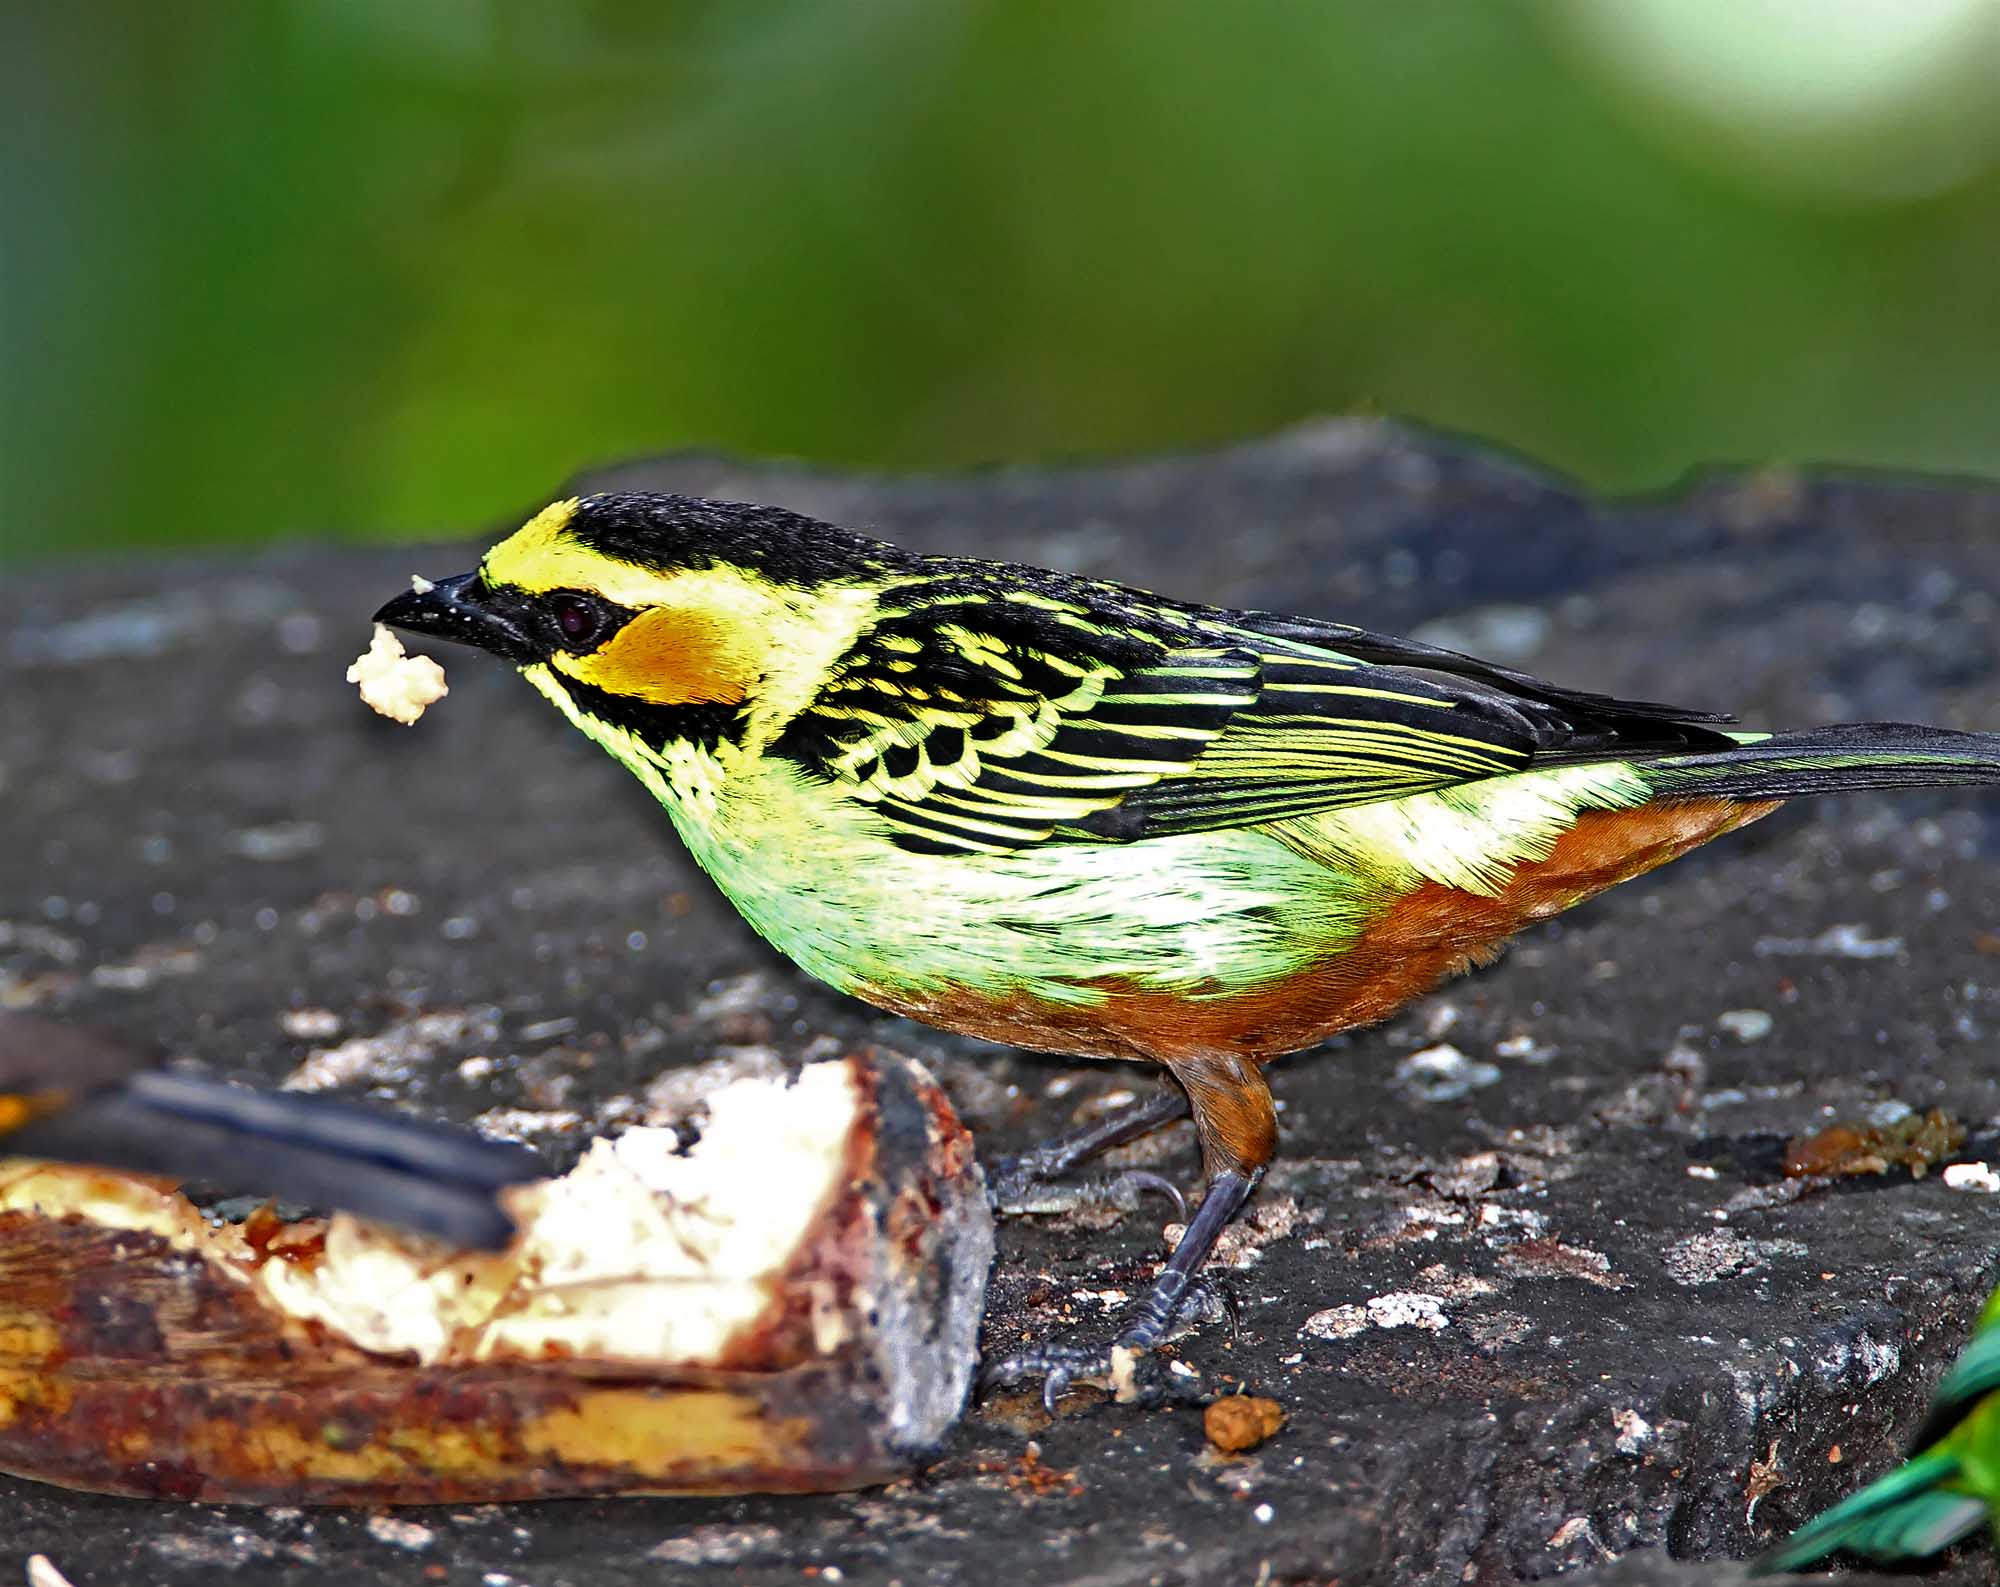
821 876
823 879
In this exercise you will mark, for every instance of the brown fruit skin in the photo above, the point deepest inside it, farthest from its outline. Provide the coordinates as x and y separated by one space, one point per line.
130 1364
1241 1422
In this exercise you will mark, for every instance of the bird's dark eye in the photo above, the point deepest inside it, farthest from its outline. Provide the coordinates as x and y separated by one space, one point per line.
577 619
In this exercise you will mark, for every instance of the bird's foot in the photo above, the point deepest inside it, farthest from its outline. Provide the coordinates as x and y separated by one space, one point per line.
1129 1367
1016 1189
1210 1300
1059 1366
1130 1375
1029 1182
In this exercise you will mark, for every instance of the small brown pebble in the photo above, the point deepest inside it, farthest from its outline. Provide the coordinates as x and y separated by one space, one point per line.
1833 1456
1243 1421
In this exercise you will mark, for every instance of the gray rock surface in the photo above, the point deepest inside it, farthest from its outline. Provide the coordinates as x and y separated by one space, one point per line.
1527 1280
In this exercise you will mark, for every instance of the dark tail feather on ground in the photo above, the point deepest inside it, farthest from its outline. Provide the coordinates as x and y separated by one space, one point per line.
1821 760
326 1152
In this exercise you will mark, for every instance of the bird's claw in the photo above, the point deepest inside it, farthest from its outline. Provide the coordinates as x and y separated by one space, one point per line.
1124 1191
1210 1300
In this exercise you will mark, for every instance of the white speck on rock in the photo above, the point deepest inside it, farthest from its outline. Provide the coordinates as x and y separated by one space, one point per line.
715 1545
1746 1024
42 1572
1974 1177
145 967
1398 1309
1336 1322
525 1124
1634 1432
1880 1359
1447 1285
409 1535
1577 1529
1531 1223
392 1054
281 840
1704 1258
1558 1259
1443 1073
1846 941
1440 1018
309 1024
1405 1309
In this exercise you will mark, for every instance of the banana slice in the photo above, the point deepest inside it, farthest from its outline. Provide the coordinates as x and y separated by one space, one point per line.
788 1303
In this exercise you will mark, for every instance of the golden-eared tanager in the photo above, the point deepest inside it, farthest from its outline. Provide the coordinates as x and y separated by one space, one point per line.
1080 818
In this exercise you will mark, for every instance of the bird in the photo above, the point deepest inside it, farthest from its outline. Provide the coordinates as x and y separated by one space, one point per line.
1945 1491
72 1094
1069 815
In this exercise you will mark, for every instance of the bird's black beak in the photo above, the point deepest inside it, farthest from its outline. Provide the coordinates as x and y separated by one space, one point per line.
464 611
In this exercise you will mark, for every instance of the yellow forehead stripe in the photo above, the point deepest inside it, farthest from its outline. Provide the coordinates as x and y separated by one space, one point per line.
539 557
526 557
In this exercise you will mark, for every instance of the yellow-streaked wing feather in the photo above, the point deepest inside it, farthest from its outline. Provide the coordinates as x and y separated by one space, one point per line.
967 735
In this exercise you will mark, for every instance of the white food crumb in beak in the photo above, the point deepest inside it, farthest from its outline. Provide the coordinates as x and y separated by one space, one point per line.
394 684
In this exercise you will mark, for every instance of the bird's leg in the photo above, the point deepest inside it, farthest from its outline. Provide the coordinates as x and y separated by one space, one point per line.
1238 1126
1022 1183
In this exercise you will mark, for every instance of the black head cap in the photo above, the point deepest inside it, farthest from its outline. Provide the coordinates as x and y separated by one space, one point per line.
656 530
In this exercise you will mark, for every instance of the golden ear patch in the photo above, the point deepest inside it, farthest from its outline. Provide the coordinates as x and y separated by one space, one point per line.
669 656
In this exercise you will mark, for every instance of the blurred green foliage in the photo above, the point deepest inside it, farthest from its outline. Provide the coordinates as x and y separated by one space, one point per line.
389 267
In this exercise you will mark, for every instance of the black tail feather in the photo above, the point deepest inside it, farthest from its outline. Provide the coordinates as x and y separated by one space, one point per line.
435 1178
1842 759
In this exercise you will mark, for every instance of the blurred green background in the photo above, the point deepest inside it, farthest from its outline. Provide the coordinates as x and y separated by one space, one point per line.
386 268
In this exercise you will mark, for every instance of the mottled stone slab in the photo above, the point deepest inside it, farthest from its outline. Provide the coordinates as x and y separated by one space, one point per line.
1527 1303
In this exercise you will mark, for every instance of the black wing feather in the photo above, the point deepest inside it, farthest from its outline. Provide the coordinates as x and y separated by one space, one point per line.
983 714
1390 651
